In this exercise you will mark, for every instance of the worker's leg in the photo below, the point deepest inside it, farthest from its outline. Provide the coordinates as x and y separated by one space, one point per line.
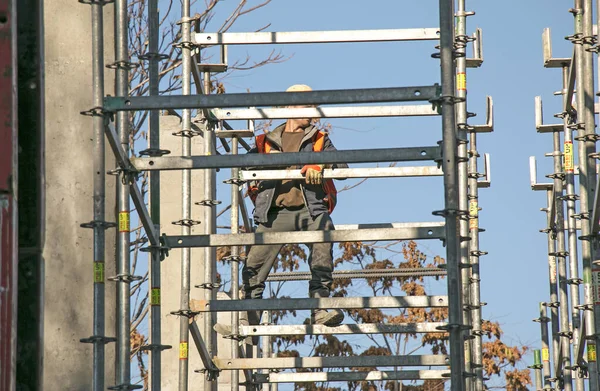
320 262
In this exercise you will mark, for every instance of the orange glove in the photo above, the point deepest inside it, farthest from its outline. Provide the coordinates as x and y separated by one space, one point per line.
313 174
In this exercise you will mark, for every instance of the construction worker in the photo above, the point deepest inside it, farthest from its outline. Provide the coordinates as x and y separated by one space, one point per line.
293 205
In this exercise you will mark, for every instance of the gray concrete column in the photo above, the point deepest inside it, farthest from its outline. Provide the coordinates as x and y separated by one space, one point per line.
68 270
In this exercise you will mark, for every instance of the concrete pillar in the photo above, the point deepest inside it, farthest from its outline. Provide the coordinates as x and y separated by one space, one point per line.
67 253
171 198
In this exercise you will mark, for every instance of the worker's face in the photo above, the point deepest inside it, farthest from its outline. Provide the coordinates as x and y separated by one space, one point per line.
303 122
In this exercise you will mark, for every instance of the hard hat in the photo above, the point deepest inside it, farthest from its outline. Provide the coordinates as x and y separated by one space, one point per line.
299 88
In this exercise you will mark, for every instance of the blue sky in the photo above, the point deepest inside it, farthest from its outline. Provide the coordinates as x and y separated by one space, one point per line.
514 274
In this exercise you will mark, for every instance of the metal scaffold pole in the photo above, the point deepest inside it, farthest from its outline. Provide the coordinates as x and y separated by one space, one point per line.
209 221
587 165
186 205
451 194
123 278
153 57
560 258
235 264
545 351
461 119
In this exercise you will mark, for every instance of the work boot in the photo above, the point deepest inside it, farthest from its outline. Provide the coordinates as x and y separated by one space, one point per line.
329 318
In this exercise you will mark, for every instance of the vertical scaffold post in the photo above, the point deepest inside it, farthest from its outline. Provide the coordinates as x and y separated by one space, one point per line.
209 221
475 253
153 58
235 263
451 195
560 256
98 154
587 176
124 277
570 197
186 205
461 119
545 351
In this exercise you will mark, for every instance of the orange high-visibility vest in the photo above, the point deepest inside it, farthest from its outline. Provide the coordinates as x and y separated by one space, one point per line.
264 146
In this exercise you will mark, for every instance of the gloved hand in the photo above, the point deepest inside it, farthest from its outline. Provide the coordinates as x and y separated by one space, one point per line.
313 174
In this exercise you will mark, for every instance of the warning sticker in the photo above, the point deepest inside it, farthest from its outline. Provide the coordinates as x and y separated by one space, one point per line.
99 272
473 208
568 157
545 355
123 221
473 223
155 296
596 285
183 350
461 81
591 352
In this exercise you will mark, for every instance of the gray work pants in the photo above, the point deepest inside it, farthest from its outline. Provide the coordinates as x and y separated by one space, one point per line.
262 257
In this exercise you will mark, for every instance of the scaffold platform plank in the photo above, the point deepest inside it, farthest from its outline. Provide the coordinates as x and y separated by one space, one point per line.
371 328
331 362
328 302
362 273
332 36
408 232
310 377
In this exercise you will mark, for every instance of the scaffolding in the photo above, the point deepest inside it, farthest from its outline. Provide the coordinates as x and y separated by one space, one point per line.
569 321
457 161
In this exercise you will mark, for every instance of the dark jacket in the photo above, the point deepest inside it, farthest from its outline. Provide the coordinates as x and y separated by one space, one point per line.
313 194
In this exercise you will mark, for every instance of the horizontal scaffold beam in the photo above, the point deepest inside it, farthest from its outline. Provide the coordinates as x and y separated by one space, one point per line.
310 377
302 237
331 362
288 159
328 112
328 302
362 273
345 173
339 36
371 328
255 99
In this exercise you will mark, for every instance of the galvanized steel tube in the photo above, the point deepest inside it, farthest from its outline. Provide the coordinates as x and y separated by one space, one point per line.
186 204
99 194
561 258
461 119
451 194
235 265
587 177
553 304
123 260
155 256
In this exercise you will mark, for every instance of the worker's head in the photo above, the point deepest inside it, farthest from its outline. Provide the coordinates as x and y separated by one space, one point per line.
303 122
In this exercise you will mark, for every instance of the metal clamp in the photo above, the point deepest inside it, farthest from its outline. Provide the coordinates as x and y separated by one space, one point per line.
187 313
97 111
99 339
155 347
186 222
585 307
153 56
127 278
575 281
211 373
233 258
154 152
186 45
163 250
567 334
126 387
209 285
123 65
542 319
96 2
234 181
552 304
478 253
98 224
560 254
556 175
588 137
187 133
454 326
450 212
208 203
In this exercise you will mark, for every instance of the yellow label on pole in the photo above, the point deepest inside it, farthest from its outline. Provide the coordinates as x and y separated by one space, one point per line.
155 296
124 222
591 352
461 81
568 157
183 350
473 223
99 272
473 208
545 355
